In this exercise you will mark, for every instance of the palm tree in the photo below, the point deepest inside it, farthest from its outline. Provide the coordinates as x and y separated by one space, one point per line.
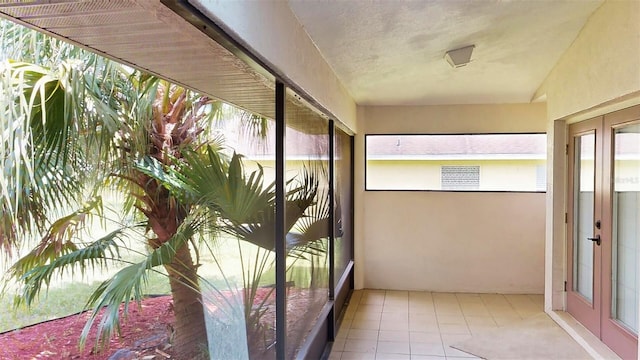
74 124
122 117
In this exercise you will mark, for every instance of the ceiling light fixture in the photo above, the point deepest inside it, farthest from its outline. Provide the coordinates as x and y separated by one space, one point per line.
459 57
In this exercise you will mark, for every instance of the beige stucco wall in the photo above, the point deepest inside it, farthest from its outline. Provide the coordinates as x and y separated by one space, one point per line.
454 119
601 66
270 29
598 74
442 241
454 242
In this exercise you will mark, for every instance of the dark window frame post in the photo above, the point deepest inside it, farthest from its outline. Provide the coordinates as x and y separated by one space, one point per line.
332 229
280 228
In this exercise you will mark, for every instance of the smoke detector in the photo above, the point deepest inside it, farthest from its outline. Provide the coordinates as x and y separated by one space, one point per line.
459 57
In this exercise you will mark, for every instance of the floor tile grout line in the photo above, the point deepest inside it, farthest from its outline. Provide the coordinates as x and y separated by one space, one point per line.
514 307
432 308
491 313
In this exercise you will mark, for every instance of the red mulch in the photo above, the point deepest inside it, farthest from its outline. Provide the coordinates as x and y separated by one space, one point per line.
145 332
146 329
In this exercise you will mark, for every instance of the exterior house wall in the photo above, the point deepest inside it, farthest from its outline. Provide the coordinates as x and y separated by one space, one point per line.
517 175
447 241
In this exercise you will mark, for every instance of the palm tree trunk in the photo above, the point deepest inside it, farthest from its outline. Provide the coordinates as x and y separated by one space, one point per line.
190 333
171 128
189 330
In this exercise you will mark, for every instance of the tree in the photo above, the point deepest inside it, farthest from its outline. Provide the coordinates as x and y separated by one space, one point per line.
75 124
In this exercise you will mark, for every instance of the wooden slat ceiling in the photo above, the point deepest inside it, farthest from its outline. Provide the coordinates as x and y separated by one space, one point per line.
149 36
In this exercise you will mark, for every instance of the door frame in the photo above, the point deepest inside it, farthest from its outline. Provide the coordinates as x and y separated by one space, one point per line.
614 335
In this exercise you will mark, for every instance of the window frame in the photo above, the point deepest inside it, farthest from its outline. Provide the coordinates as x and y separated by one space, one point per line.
366 162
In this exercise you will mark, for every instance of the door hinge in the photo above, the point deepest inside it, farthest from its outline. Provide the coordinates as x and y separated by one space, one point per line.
566 218
566 149
565 286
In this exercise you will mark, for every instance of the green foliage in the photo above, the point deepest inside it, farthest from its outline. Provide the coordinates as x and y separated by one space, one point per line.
129 283
38 156
58 239
73 122
35 271
75 125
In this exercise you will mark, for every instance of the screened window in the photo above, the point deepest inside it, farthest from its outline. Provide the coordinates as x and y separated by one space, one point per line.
467 162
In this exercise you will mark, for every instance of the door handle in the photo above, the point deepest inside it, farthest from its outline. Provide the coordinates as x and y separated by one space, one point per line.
596 239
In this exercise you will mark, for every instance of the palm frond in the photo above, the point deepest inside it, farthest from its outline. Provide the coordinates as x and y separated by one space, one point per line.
245 204
174 181
58 239
39 153
128 284
34 274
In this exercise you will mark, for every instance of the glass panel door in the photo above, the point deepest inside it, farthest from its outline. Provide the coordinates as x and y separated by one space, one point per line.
626 231
621 206
584 223
603 230
583 200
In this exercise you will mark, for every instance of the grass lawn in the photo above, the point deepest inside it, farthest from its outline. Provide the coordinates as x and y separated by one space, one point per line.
62 299
68 294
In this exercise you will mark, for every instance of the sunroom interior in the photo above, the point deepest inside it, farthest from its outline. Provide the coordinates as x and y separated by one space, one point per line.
347 71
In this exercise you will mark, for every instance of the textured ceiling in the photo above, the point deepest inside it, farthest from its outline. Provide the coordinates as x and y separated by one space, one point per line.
385 52
391 52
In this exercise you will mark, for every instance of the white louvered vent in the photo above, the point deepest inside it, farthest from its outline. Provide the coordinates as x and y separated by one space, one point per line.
460 177
147 35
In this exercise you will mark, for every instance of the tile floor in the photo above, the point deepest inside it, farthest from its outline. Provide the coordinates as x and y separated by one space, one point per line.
413 325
